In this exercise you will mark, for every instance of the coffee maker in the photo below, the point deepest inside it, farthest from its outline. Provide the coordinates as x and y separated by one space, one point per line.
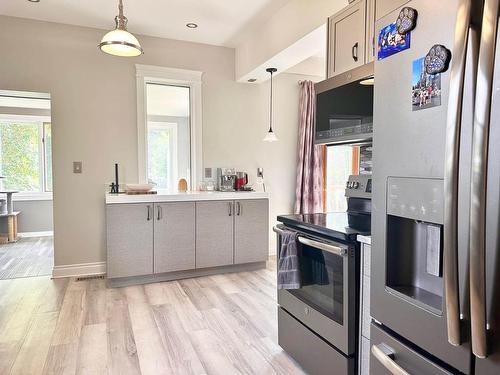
226 179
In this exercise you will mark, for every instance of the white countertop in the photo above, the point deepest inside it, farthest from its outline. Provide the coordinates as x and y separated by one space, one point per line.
166 196
364 239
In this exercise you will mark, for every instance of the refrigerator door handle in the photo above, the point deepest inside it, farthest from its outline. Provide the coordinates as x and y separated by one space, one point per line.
477 230
385 356
451 171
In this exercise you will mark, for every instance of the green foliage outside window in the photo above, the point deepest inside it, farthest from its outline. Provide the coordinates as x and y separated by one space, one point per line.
21 161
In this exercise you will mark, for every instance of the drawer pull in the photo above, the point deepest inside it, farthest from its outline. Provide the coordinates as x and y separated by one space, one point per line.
385 356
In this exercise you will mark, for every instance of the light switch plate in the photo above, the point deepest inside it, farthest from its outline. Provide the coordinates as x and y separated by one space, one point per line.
77 167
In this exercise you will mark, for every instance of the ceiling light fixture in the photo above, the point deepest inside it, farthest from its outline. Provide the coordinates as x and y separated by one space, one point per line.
252 80
191 25
34 1
270 136
120 42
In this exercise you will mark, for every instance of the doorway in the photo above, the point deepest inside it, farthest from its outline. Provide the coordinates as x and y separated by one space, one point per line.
26 210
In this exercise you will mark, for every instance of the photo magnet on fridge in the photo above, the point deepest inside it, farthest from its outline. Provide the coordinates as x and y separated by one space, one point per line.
391 42
426 88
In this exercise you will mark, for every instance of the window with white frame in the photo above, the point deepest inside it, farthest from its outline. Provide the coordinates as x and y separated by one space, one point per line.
26 154
169 125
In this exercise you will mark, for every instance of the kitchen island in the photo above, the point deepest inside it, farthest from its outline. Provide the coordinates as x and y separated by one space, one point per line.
168 236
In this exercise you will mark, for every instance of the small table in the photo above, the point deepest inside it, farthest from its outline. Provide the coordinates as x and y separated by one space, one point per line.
11 225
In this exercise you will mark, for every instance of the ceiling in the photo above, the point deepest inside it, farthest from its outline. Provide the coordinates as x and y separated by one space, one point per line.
221 22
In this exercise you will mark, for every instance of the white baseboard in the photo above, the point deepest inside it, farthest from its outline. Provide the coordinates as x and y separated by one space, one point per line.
48 233
78 270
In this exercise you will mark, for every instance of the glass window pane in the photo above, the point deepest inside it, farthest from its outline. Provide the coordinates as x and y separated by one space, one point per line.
20 155
338 168
168 134
47 149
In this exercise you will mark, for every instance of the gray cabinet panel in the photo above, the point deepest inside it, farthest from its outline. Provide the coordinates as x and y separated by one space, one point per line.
129 240
174 237
251 231
214 233
346 39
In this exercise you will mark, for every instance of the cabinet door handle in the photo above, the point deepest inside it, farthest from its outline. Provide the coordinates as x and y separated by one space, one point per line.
354 51
230 205
149 213
160 213
238 210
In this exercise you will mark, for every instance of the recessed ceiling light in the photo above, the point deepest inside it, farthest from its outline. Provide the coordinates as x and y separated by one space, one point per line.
191 25
252 80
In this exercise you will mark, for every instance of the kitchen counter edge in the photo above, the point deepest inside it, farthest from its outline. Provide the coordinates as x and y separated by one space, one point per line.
184 197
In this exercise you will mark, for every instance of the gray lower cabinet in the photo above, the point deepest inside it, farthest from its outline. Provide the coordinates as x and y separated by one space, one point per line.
129 240
251 235
214 233
174 237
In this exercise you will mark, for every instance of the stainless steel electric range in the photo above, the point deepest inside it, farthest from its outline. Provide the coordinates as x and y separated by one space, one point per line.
318 323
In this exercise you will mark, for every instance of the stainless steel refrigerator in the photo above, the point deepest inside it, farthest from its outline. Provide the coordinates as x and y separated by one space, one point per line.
435 287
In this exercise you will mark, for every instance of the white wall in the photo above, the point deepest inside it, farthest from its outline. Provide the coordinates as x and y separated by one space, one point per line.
35 216
291 23
94 119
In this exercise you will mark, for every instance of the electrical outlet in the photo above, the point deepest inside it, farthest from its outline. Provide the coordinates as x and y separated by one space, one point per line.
77 167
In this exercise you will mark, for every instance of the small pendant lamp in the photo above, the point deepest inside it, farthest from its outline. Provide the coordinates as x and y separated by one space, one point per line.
271 136
120 42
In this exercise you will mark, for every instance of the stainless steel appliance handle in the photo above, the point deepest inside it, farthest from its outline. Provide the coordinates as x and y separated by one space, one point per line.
385 356
335 250
477 230
452 148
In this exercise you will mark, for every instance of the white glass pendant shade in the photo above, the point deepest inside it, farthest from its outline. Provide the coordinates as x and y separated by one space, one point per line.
270 137
120 42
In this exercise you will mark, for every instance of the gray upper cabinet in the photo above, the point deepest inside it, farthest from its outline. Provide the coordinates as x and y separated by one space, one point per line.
174 237
384 7
251 235
214 233
346 39
129 240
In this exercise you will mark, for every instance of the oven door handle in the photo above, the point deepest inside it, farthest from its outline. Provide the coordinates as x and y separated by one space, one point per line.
336 250
332 249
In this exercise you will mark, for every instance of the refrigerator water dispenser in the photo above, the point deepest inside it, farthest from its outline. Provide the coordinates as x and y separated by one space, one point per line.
414 241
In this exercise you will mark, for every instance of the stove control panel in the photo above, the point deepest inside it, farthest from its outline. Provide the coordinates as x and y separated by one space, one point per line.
359 186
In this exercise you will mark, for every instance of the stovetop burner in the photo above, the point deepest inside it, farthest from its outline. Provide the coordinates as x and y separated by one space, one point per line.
339 225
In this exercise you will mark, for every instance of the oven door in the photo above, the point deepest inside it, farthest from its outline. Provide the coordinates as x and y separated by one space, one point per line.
326 301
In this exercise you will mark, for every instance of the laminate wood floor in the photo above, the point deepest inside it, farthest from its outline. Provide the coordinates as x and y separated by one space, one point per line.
27 257
224 324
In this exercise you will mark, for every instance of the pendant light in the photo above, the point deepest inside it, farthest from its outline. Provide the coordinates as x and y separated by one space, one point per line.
270 136
120 42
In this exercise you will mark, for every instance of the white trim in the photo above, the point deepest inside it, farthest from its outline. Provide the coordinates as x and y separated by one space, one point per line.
32 196
48 233
77 270
188 78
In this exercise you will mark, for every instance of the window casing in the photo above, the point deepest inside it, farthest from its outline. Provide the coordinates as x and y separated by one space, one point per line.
180 151
26 155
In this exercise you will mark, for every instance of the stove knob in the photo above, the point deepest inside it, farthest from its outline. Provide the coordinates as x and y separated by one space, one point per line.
356 185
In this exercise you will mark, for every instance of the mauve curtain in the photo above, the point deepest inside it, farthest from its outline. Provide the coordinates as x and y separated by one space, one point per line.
310 179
